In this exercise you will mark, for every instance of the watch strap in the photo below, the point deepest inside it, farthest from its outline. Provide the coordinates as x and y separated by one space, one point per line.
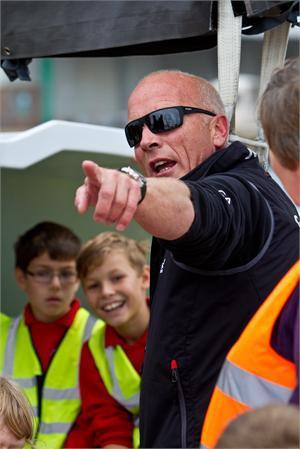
138 177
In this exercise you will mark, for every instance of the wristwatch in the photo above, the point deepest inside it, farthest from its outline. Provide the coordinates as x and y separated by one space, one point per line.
138 177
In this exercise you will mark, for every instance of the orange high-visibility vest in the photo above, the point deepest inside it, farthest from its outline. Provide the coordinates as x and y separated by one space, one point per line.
253 374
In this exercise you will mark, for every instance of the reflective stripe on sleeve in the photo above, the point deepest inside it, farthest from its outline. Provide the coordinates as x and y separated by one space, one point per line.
249 389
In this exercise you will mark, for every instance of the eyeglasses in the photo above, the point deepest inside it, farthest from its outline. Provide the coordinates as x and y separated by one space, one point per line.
46 277
160 121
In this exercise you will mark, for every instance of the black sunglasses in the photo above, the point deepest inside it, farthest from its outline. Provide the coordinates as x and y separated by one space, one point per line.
160 121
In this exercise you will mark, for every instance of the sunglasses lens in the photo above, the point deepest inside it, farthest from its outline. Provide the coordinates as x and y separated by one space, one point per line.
164 120
157 121
133 133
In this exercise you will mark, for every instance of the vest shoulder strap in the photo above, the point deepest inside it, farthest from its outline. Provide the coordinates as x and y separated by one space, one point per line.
118 374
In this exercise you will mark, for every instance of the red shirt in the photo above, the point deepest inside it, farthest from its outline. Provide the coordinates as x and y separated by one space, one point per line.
103 420
46 337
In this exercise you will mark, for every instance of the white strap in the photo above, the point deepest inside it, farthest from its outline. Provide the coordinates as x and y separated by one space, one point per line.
229 52
274 52
273 55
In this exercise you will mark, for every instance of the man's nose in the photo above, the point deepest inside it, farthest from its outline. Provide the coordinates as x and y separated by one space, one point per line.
149 140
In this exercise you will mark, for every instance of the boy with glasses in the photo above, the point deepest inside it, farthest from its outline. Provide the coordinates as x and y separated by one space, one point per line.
224 235
40 349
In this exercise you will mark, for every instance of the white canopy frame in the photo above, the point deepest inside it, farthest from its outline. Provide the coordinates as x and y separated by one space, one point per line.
20 150
23 149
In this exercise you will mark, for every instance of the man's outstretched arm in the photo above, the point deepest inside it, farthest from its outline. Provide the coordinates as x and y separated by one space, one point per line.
166 211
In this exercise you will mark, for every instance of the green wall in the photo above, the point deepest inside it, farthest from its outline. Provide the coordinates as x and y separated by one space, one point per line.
45 191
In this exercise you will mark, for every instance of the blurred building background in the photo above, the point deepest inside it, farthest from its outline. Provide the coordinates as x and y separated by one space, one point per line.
94 91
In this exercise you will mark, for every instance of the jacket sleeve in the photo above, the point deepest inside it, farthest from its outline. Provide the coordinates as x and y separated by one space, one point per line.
103 420
232 223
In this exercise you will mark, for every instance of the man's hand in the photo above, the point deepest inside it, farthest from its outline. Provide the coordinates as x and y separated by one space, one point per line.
113 194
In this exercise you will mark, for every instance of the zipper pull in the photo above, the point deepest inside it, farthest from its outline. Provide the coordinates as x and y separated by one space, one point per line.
174 367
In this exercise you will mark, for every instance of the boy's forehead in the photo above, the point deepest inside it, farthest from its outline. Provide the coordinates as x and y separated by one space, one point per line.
109 256
45 259
109 259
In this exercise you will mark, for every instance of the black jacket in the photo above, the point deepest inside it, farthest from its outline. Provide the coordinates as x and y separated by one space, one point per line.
206 286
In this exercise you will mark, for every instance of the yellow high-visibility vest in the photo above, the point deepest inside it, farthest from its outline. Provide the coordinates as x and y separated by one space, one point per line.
119 376
60 402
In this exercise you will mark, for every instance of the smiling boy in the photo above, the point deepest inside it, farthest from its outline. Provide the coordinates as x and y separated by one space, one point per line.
41 348
115 277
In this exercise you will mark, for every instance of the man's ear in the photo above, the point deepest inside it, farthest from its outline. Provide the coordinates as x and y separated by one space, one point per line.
20 278
219 128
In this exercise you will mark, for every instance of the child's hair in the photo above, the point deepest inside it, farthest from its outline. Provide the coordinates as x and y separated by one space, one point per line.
279 113
55 239
16 411
270 426
94 251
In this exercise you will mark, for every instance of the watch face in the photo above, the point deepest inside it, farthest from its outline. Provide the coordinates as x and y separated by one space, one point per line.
133 174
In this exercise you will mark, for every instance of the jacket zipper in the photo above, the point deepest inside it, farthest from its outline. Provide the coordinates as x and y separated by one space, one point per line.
175 378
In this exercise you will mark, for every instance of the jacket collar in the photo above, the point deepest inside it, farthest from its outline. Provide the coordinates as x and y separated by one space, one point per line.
222 160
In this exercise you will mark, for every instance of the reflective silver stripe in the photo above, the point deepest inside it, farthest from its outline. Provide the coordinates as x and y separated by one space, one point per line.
250 389
10 347
35 410
56 427
70 393
25 382
134 400
61 393
90 322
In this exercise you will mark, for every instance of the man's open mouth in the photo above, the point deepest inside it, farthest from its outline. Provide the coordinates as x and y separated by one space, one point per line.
162 165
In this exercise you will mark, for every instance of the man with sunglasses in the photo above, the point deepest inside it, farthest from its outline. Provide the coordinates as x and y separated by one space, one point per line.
219 224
